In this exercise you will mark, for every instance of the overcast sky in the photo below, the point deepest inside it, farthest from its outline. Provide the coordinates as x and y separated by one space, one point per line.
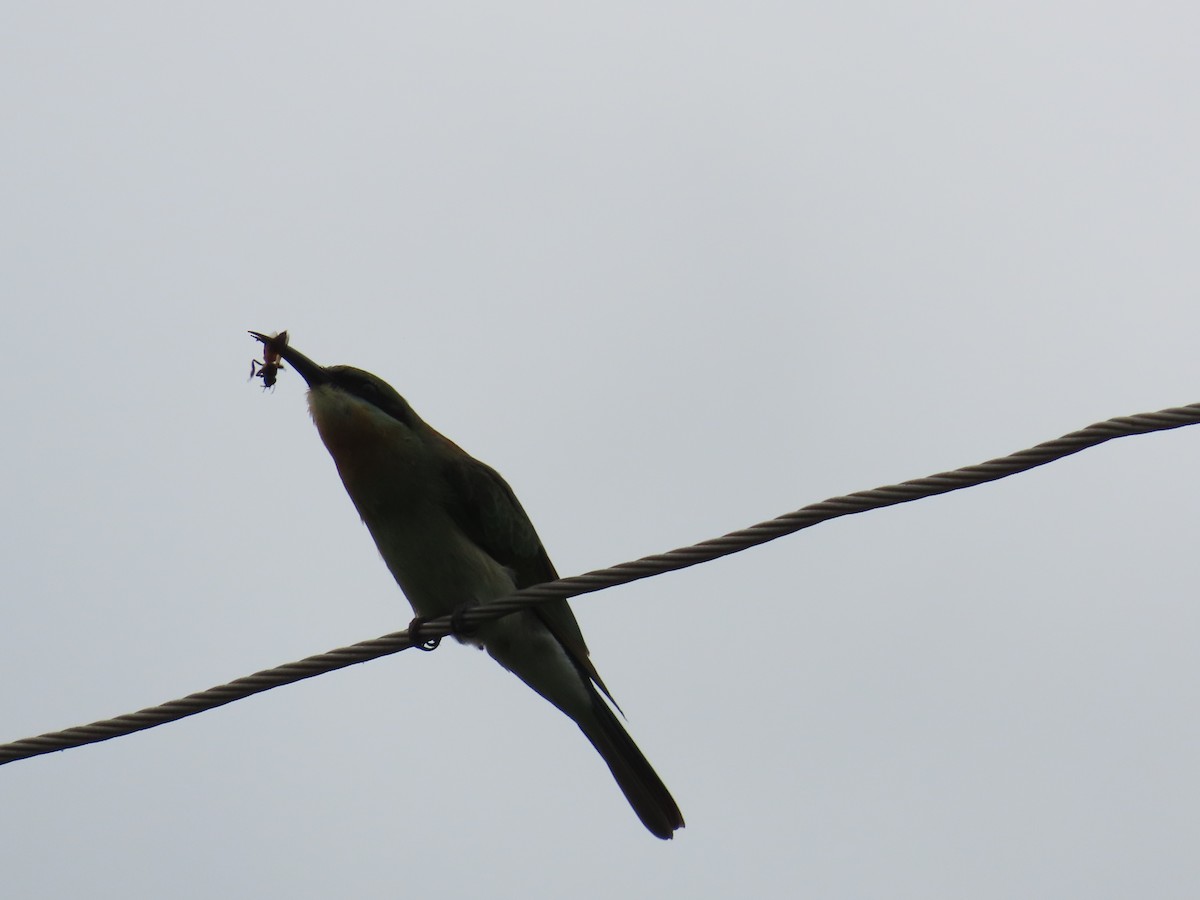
672 269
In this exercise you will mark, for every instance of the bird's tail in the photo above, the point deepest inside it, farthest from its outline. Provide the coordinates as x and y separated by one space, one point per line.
638 781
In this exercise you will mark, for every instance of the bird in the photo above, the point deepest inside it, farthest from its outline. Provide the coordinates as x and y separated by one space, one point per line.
453 534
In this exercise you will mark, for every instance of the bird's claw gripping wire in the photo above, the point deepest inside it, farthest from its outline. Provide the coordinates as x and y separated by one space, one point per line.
414 635
458 624
459 627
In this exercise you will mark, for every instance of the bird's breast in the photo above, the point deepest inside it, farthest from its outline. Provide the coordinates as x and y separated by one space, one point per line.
390 470
436 565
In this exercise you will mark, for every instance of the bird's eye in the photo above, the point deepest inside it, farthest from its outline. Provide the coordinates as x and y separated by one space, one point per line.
363 388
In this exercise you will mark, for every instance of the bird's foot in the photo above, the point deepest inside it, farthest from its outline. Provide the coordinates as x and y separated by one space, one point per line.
414 635
458 623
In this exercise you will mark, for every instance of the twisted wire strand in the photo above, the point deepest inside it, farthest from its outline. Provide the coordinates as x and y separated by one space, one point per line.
598 580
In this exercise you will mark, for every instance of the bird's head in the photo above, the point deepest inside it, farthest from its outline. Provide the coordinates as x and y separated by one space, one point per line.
355 412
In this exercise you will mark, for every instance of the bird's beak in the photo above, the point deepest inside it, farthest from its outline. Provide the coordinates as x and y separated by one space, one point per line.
314 374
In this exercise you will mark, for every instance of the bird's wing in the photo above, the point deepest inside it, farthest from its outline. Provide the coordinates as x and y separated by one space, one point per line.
489 513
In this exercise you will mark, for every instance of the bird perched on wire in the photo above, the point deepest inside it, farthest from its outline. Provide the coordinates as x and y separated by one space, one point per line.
453 533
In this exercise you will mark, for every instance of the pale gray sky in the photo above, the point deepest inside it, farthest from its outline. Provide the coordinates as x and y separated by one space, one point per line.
672 269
